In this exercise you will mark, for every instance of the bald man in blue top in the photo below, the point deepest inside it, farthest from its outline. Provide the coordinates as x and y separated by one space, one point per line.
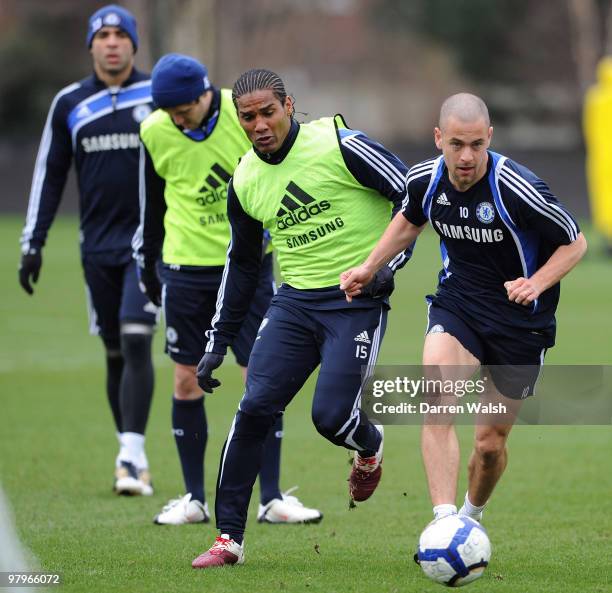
505 242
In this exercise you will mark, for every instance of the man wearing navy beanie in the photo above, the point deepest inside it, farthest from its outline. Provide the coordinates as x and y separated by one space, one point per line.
113 16
178 79
191 146
95 122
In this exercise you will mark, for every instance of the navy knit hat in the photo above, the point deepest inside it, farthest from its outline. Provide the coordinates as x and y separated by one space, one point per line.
113 16
177 79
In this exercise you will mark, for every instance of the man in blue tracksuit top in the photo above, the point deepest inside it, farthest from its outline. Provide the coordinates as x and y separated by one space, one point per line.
95 122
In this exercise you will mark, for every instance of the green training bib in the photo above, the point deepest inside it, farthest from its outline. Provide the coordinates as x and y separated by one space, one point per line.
321 219
196 175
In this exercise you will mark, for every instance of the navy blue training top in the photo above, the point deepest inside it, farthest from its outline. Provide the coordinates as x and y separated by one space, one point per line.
98 127
505 226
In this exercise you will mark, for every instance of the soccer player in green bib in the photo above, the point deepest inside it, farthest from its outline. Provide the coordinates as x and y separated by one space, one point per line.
190 147
324 193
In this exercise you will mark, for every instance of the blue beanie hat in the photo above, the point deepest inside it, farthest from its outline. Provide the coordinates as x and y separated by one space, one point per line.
177 79
113 16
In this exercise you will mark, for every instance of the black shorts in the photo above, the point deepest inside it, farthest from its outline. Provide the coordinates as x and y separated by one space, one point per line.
113 298
189 309
513 359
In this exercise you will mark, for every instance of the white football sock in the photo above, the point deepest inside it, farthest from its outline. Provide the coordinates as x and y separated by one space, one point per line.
470 510
443 510
132 448
143 462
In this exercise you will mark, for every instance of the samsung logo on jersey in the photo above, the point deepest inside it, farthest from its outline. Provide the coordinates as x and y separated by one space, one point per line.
455 231
302 214
321 231
110 142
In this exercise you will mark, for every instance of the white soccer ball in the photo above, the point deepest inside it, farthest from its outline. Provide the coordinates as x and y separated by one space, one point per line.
454 550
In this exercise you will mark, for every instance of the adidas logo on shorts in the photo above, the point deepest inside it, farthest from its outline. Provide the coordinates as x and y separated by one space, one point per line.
363 337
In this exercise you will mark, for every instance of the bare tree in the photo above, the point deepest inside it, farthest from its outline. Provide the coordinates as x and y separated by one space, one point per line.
586 39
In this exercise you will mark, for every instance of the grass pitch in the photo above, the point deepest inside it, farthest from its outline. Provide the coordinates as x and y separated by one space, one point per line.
550 520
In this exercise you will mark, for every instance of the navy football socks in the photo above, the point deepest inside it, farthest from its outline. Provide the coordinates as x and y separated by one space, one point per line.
114 370
136 387
190 434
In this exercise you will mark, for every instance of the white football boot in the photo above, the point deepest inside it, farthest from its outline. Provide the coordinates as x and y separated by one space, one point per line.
146 486
183 510
130 481
287 509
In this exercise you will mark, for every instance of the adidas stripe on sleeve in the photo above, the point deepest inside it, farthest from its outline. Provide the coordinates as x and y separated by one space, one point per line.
149 237
534 207
374 166
240 275
417 181
379 169
50 172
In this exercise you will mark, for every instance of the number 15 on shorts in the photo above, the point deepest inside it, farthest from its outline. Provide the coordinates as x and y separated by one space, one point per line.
361 351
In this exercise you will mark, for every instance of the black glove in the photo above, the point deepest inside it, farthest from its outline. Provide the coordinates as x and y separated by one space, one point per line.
382 285
149 284
29 269
210 361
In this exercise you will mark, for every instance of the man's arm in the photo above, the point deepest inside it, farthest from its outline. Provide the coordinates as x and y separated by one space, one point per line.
240 275
535 208
397 237
149 237
400 234
48 181
526 290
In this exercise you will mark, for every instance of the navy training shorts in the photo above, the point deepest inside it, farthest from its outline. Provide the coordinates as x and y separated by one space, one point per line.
113 298
513 358
188 311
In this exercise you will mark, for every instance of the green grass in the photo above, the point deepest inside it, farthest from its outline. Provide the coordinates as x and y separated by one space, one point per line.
550 520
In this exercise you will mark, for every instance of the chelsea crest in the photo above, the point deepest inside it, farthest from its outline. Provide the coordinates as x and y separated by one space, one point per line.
485 212
140 112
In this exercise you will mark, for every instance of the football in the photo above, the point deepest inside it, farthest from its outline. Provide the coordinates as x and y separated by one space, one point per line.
454 550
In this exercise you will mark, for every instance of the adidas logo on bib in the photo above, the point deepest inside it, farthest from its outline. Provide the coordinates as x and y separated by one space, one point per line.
298 206
214 188
363 337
